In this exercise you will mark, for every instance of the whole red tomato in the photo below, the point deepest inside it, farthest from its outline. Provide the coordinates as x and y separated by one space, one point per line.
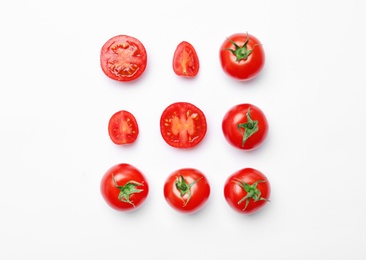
187 190
123 128
183 125
247 190
242 56
123 58
124 187
245 126
185 60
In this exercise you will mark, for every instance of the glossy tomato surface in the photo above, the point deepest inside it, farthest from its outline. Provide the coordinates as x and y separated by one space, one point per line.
124 187
185 60
245 126
247 190
123 58
123 128
183 125
242 56
187 190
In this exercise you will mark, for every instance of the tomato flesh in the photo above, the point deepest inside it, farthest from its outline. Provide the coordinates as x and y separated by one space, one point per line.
123 58
183 125
185 60
123 128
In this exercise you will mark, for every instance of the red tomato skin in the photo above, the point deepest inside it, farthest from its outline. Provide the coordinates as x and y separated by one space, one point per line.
183 138
123 128
238 114
123 173
200 192
234 193
244 69
185 60
123 58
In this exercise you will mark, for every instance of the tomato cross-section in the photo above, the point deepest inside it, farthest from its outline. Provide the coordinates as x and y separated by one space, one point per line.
183 125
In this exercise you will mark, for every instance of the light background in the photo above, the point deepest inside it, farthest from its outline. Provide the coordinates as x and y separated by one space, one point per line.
55 103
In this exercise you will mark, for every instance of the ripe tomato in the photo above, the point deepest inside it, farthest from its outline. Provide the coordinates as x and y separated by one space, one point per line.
123 128
187 190
183 125
242 56
247 190
245 126
124 187
185 60
123 58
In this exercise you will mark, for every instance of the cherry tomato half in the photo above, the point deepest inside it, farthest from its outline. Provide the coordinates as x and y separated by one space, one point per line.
186 190
242 56
183 125
245 126
123 58
124 187
185 60
247 190
123 128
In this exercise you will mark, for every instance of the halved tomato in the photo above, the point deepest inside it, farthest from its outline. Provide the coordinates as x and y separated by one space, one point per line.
123 128
185 60
183 125
123 58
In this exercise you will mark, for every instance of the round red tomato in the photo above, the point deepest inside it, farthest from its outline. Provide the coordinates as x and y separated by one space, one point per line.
124 187
245 126
123 58
185 60
247 190
242 56
187 190
123 128
183 125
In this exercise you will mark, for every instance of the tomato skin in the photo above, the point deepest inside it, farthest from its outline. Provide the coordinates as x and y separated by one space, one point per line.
123 128
233 193
185 60
122 174
123 58
200 190
183 125
245 69
238 115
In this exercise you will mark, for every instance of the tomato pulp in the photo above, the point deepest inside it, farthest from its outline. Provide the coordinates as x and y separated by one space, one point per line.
183 125
123 58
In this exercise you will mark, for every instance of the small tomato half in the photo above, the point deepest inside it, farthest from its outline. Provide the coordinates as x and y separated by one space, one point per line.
124 187
185 60
123 58
247 190
186 190
242 56
183 125
245 126
123 128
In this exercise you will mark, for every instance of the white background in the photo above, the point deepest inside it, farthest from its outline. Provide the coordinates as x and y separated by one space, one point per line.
55 103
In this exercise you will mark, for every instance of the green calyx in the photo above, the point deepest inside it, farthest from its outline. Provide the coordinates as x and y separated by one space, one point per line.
184 188
127 190
241 53
249 128
252 192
